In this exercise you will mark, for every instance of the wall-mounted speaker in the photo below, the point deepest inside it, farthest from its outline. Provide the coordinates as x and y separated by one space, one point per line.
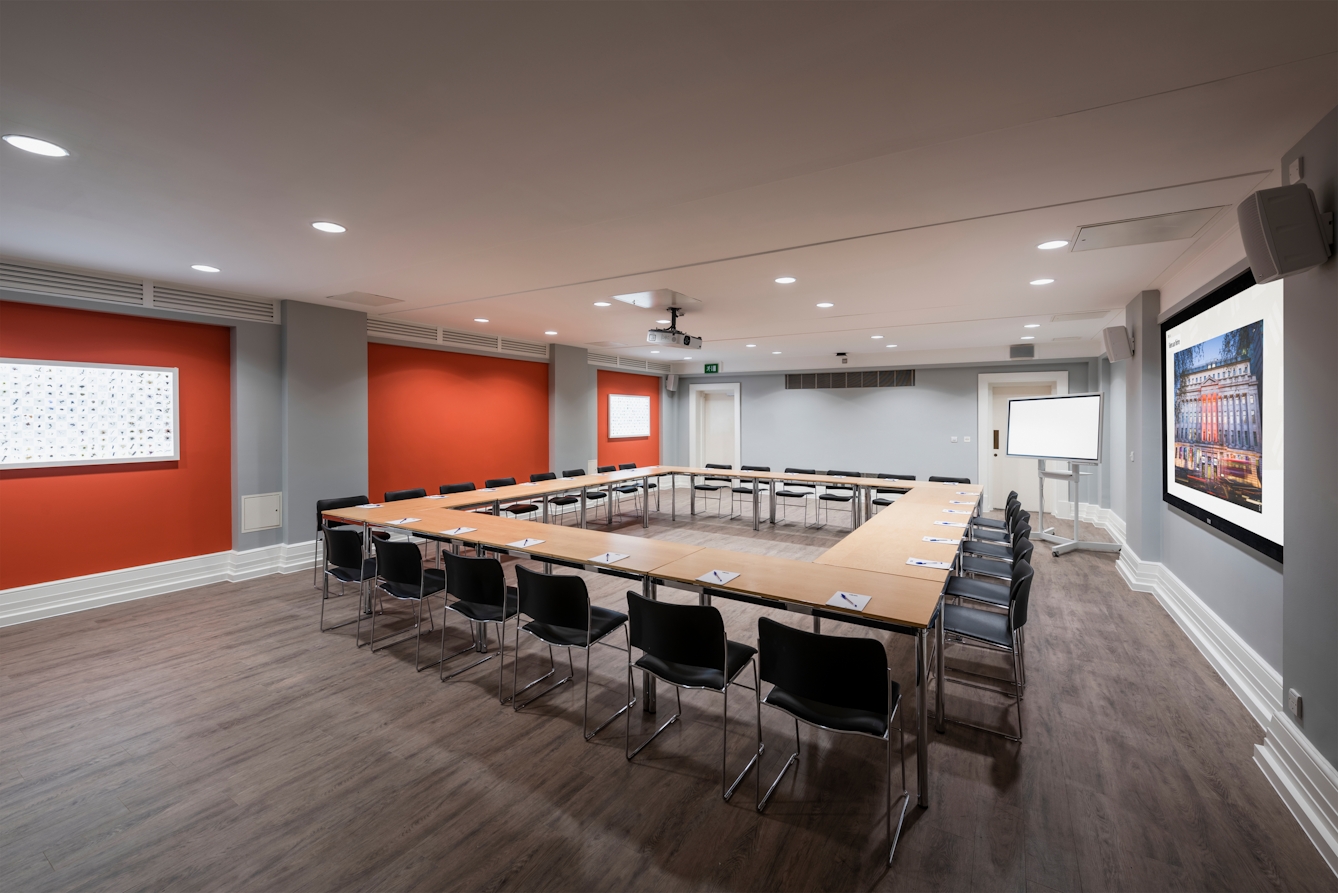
1284 231
671 383
1119 344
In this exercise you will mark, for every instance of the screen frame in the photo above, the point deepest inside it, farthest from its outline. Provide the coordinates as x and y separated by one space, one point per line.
1258 542
649 413
1100 427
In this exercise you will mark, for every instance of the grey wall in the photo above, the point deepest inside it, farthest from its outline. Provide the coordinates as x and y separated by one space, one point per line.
257 424
572 406
1310 431
1142 427
1116 467
324 410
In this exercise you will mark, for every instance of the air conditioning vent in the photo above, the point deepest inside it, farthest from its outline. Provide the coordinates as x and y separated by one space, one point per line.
229 307
662 368
1069 338
601 359
629 363
1021 351
882 378
1079 317
22 277
401 331
469 339
527 348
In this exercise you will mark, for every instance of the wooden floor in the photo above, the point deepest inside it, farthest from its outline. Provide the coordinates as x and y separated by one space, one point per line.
215 740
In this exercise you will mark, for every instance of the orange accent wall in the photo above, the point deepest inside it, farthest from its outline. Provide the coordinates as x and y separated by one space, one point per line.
66 522
641 450
435 417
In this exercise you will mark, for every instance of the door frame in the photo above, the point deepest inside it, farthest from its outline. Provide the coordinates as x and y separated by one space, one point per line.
715 387
984 406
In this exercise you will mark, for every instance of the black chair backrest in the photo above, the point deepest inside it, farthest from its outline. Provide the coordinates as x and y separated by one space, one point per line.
1019 594
545 476
807 484
681 634
1021 530
499 482
801 471
754 467
836 670
948 480
463 487
574 473
605 469
626 465
343 548
479 580
1022 550
1012 494
397 495
716 477
555 599
844 474
399 562
329 505
897 477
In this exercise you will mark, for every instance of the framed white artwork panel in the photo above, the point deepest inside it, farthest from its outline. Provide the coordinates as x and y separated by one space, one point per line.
629 416
59 413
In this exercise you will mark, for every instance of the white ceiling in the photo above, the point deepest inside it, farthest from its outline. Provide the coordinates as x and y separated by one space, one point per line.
519 162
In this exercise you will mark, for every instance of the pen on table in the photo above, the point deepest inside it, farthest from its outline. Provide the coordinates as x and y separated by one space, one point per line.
716 574
849 599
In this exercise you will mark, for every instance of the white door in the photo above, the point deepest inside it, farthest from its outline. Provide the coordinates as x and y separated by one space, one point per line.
1008 473
714 421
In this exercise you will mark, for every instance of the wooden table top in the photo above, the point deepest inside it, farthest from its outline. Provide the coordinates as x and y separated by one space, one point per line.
884 542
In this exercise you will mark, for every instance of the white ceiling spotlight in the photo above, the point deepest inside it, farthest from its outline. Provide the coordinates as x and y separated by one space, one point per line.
654 351
1053 244
891 345
876 337
1028 337
603 304
750 345
785 280
479 319
775 351
326 226
205 268
662 322
1032 325
825 304
1041 281
550 333
34 145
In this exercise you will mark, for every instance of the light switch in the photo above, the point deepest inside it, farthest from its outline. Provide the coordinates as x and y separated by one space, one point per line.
1131 455
966 439
954 438
1296 170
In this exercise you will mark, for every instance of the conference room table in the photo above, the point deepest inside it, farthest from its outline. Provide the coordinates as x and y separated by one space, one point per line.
882 560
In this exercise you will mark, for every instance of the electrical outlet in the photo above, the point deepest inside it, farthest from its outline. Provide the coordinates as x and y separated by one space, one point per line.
954 438
1294 702
1296 171
966 439
1131 455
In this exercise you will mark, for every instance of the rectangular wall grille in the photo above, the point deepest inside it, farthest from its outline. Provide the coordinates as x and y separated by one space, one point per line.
400 330
871 378
181 300
617 362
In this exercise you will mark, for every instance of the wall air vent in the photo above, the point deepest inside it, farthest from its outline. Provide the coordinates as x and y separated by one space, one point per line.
47 281
880 378
533 349
469 339
400 331
227 306
616 362
1021 351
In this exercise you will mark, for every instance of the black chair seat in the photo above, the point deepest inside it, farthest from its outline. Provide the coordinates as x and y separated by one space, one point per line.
485 613
627 489
520 508
794 494
711 487
881 501
990 567
995 523
595 494
602 622
434 580
565 500
747 490
350 574
737 656
993 550
980 590
976 623
828 716
837 497
991 535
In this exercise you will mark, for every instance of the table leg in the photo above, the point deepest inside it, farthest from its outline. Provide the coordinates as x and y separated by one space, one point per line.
939 694
582 508
545 508
645 502
922 717
673 497
756 523
771 490
647 680
692 492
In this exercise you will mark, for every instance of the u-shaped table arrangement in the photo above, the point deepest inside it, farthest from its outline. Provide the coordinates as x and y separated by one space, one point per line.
900 558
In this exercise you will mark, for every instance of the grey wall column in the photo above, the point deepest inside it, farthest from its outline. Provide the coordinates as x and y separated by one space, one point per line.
257 425
1142 403
324 410
572 408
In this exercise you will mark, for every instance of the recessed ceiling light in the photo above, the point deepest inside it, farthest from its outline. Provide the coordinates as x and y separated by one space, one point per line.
785 280
550 333
1051 245
687 358
1041 281
662 322
775 351
891 345
326 226
876 337
479 319
1028 337
1032 325
750 345
603 304
34 145
654 351
205 268
825 304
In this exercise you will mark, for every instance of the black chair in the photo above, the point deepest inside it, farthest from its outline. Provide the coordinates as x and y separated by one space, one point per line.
345 562
561 616
610 490
564 501
836 683
885 496
399 567
800 490
330 505
999 551
515 508
685 646
650 485
631 488
595 495
744 489
1014 514
397 495
839 494
999 569
484 599
714 485
463 487
995 595
993 631
948 480
996 523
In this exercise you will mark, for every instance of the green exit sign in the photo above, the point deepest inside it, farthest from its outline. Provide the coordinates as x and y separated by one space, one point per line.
712 367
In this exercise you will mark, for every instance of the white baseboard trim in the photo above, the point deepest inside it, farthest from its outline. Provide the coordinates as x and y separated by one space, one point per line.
24 603
1304 780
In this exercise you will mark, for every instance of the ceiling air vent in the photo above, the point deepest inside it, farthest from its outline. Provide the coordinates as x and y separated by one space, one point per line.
662 368
469 339
23 277
601 359
1079 317
227 306
1021 351
1144 230
1069 338
399 330
881 378
533 349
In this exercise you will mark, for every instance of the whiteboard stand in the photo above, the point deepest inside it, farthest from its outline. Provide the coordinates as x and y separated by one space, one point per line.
1062 545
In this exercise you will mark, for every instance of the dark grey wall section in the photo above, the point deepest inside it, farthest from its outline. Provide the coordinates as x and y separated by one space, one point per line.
324 410
1310 319
257 424
572 396
1117 457
1142 427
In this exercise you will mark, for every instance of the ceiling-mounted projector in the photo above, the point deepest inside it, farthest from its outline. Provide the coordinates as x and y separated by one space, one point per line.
672 335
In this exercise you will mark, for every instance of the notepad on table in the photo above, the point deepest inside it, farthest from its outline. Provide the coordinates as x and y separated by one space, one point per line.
487 489
718 577
370 505
456 531
950 524
965 493
609 557
959 502
528 483
957 511
438 496
848 600
941 539
925 562
404 520
525 543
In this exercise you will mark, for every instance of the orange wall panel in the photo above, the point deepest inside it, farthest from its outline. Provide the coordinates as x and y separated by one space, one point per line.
641 450
66 522
435 417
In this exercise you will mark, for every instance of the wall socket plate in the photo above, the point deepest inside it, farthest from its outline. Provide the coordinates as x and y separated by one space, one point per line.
966 439
1294 702
954 438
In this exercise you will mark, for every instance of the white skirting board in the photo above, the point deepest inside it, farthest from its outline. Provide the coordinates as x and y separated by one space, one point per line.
24 603
1304 780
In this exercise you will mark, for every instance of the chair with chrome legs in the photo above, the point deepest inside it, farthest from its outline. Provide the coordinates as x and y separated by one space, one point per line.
839 494
800 490
996 523
885 496
564 502
836 683
329 505
610 492
996 595
515 509
999 551
948 480
345 562
590 495
399 567
744 489
714 485
630 488
464 487
1000 568
561 616
397 495
685 646
482 598
994 631
1016 515
650 485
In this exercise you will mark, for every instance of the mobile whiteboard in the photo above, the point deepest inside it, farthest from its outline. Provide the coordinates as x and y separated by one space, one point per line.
1065 427
629 416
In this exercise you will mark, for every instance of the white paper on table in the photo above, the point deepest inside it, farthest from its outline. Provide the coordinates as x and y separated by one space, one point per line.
404 520
528 484
456 531
849 600
925 562
950 524
438 496
487 489
609 557
525 543
957 511
965 493
717 577
941 539
369 505
959 502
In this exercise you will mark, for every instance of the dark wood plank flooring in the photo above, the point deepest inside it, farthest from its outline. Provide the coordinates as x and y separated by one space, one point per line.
214 739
